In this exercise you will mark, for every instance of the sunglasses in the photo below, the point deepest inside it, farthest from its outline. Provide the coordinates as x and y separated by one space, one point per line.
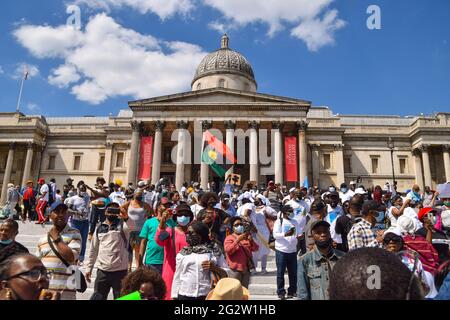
394 238
33 275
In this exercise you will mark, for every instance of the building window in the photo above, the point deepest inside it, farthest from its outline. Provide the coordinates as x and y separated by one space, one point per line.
101 162
375 168
51 162
326 161
119 159
348 165
167 154
77 162
403 167
221 83
199 86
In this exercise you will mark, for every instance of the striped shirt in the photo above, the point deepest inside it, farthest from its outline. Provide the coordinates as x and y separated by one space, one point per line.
61 274
361 235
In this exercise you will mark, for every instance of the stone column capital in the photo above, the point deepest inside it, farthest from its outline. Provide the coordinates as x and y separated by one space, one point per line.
230 125
424 147
13 145
416 152
338 147
302 125
315 146
108 145
253 125
137 126
160 125
446 147
30 145
277 125
206 125
182 124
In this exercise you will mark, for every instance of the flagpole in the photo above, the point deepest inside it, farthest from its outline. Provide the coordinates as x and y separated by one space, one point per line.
20 95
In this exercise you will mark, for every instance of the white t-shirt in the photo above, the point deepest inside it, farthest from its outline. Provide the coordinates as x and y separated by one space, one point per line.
117 197
346 196
333 214
300 212
44 189
283 243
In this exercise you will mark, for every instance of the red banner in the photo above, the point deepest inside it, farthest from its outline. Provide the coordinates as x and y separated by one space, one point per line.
146 158
290 158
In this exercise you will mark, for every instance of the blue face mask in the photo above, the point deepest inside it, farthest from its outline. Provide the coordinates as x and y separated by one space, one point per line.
380 218
6 242
183 221
344 190
239 229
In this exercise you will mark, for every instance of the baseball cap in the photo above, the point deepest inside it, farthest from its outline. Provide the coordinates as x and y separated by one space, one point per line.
196 185
319 223
58 204
371 205
141 184
423 212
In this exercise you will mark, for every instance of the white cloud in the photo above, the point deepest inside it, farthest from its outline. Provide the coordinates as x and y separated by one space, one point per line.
1 70
33 71
107 60
319 32
32 107
302 16
163 8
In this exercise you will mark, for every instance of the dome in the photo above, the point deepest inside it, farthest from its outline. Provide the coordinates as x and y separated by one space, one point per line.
226 62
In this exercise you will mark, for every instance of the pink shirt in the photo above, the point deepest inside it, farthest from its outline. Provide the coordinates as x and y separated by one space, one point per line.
238 253
170 255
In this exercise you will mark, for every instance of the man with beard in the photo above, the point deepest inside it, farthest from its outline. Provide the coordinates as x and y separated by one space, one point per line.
315 266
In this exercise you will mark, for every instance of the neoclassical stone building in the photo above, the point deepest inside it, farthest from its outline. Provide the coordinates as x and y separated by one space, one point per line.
331 148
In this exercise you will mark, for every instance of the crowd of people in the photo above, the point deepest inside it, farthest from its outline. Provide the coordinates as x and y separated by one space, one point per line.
157 242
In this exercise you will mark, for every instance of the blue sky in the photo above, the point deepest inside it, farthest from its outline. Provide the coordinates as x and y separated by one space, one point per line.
322 52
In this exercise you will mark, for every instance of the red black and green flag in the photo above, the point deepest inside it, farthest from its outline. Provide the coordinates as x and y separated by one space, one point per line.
217 155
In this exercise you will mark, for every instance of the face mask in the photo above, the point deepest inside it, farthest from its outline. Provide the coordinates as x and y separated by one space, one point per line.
6 242
344 190
324 244
112 218
193 240
332 189
380 217
183 221
82 194
291 215
447 203
239 229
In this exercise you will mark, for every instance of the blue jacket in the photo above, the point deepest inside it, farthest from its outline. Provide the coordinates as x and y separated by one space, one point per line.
313 274
444 291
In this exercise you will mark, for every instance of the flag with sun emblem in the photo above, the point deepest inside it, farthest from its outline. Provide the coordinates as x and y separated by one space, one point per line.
217 155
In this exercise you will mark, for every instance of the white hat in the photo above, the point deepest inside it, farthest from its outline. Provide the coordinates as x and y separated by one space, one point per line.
10 185
352 182
141 184
406 224
263 199
292 190
360 191
394 230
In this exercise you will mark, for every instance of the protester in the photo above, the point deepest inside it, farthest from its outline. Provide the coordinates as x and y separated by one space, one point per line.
173 240
274 195
154 254
24 277
315 266
117 196
197 265
442 282
286 240
318 212
59 250
395 280
147 281
138 211
211 216
397 209
344 223
99 200
238 249
28 202
414 194
345 193
263 212
79 212
361 235
110 248
9 229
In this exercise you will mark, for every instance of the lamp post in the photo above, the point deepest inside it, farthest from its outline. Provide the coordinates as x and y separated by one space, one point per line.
390 145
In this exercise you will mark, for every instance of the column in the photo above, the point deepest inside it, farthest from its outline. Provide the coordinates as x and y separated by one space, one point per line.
418 168
277 126
253 155
315 164
204 168
230 126
181 150
8 169
28 162
108 161
339 154
38 162
137 127
446 155
157 150
303 152
426 165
